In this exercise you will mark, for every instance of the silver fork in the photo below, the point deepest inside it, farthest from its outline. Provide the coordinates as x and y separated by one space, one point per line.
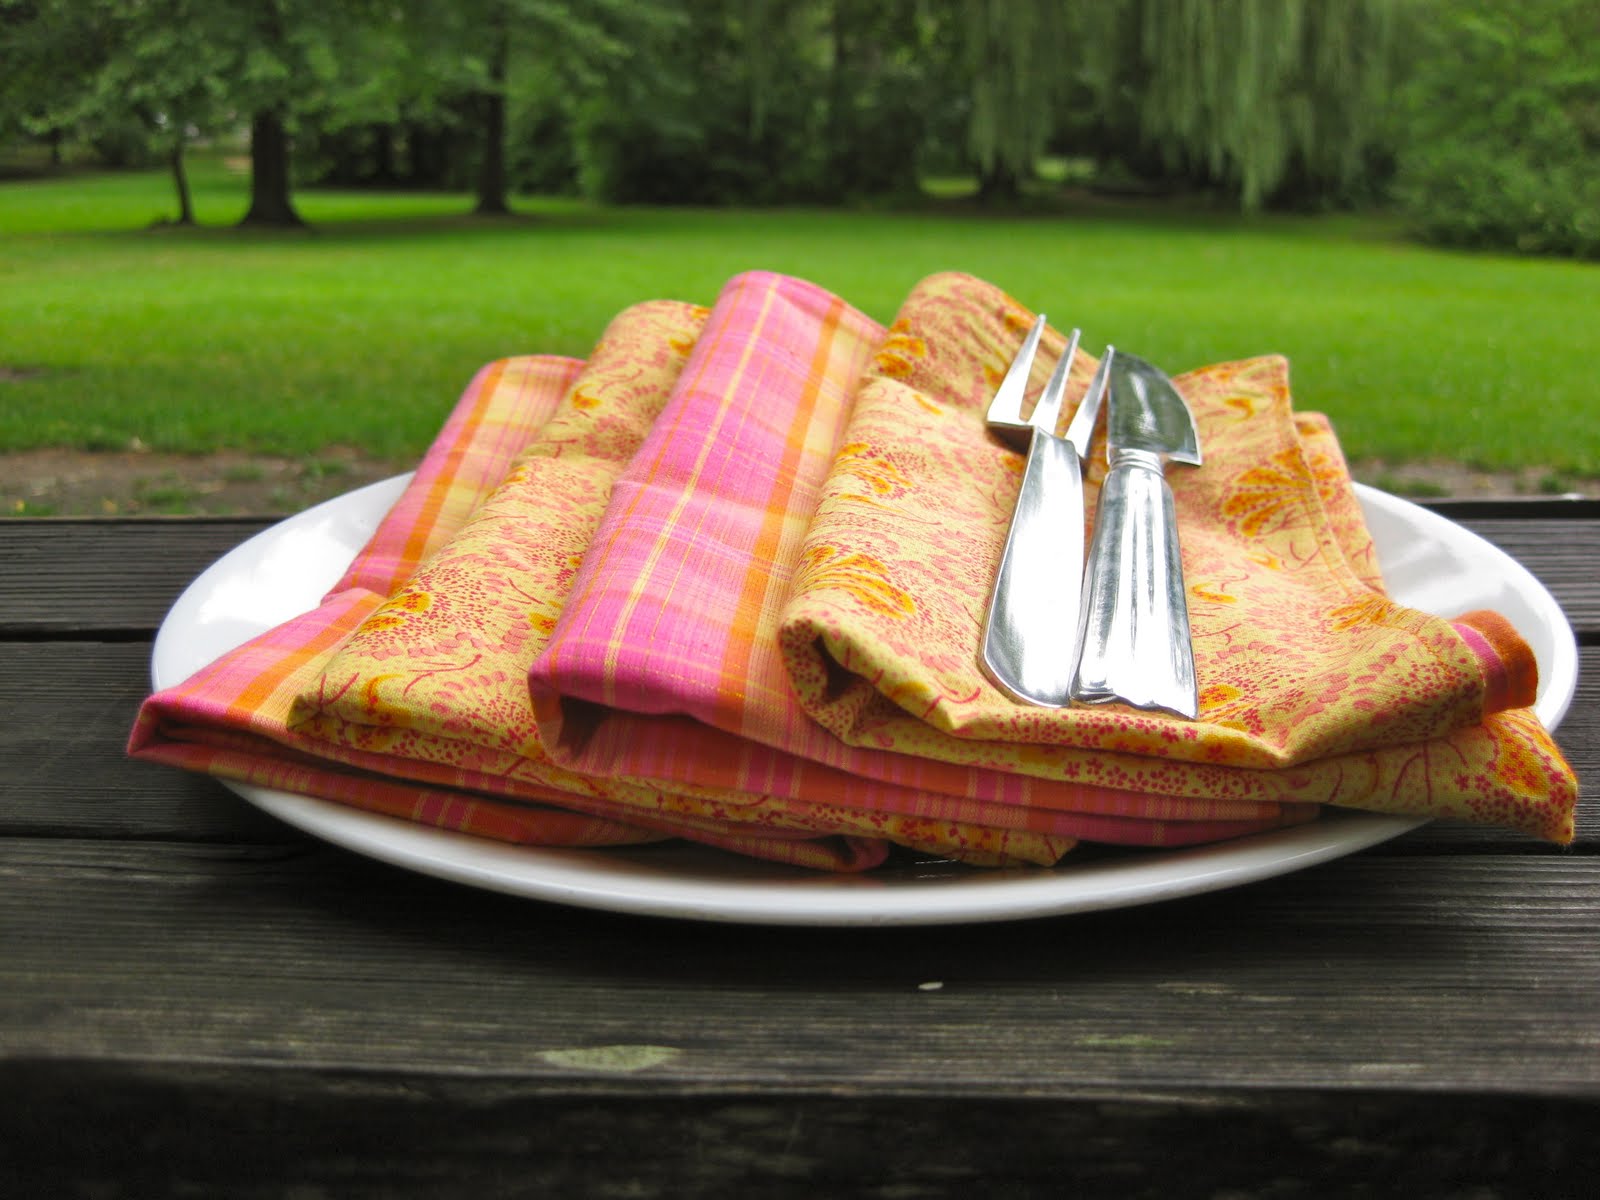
1030 633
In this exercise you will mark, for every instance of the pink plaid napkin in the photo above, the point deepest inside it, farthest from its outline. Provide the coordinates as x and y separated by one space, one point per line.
668 661
665 662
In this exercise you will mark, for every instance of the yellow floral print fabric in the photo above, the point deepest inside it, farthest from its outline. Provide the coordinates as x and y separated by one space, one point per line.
1314 685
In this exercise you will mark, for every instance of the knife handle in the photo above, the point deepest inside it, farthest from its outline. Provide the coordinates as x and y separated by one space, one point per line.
1032 626
1135 643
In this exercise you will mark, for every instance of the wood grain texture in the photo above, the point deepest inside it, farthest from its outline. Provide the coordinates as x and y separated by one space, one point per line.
193 1130
59 570
89 577
1462 973
1562 555
197 1000
66 773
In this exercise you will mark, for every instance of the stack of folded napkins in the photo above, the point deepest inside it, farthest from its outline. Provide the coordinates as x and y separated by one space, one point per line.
725 581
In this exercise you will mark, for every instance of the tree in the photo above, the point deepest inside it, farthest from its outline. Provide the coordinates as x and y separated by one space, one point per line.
181 67
447 75
887 91
491 198
112 64
1015 57
50 51
288 61
1256 97
1503 127
754 101
582 44
157 71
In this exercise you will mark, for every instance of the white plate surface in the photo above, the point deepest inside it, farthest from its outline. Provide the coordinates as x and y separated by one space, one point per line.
1428 562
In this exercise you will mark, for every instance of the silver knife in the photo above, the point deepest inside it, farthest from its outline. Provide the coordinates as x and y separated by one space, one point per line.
1136 644
1030 631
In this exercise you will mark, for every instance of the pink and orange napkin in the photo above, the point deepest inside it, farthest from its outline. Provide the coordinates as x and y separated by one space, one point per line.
724 581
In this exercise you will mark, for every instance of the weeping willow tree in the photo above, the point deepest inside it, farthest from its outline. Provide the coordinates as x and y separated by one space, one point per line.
1257 97
1013 51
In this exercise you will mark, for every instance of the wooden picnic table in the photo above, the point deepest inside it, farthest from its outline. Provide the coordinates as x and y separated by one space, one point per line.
199 1000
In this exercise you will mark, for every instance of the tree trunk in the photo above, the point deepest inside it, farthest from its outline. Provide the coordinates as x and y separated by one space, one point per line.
180 182
492 167
838 136
999 186
420 156
383 153
269 173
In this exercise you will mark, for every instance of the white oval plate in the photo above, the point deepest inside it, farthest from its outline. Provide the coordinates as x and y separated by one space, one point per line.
1428 562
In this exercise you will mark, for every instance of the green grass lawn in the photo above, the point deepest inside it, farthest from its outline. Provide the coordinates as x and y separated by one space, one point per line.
361 330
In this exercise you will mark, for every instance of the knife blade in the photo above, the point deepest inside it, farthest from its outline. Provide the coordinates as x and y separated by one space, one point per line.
1031 627
1135 643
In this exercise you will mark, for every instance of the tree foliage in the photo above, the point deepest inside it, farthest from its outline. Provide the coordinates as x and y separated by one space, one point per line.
1263 99
756 101
1015 52
1263 102
1504 114
472 63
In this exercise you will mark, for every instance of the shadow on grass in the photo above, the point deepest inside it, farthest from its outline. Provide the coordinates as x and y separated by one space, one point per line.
376 218
322 229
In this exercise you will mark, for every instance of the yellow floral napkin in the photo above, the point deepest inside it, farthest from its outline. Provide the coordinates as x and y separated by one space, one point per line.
1314 685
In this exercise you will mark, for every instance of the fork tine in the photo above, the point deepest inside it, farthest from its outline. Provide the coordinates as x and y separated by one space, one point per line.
1048 410
1006 407
1082 427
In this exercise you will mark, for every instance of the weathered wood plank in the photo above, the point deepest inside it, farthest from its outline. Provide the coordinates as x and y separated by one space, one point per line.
190 1129
1563 555
98 577
1515 508
178 974
1469 973
58 571
66 773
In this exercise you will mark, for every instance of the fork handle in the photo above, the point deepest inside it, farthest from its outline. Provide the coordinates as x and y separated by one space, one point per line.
1135 644
1032 624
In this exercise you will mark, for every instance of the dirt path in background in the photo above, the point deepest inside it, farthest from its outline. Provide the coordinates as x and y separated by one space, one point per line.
111 483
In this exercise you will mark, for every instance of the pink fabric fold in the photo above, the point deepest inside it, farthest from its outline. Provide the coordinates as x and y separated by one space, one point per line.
664 663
